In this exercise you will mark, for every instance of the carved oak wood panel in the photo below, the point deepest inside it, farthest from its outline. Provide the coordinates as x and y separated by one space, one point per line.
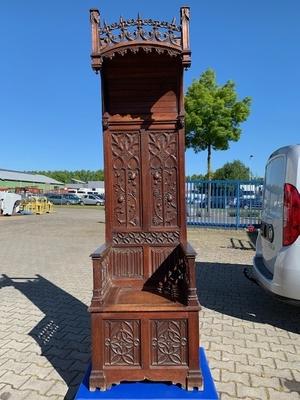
126 164
127 262
122 342
163 154
145 93
169 342
158 256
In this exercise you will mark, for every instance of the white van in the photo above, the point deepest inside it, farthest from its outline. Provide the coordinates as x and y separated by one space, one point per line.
9 203
79 192
277 259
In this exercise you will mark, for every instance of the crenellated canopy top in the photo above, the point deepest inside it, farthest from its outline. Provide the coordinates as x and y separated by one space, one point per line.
134 35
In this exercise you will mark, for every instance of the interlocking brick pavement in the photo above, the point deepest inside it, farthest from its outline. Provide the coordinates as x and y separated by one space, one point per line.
252 341
258 336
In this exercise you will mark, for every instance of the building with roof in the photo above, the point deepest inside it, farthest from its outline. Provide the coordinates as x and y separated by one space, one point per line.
97 186
23 180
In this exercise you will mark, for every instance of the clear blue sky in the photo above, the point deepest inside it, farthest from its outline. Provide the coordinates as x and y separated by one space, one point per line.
50 98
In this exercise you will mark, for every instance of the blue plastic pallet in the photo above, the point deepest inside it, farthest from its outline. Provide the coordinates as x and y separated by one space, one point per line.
152 390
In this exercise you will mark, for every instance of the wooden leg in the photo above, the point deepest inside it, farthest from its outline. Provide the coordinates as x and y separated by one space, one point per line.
194 376
97 380
194 380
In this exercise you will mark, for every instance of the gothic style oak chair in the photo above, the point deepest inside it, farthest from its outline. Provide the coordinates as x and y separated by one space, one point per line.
144 310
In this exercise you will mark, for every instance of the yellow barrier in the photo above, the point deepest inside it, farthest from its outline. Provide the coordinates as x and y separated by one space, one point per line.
37 205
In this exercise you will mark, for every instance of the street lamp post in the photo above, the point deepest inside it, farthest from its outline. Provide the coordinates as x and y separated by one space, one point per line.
250 172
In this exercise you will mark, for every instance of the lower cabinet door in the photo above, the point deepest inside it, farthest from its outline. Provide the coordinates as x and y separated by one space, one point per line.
162 342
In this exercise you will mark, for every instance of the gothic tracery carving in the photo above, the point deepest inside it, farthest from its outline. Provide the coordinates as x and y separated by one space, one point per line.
139 29
122 342
169 342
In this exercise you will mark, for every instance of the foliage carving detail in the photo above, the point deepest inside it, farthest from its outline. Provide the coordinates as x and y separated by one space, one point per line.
126 178
163 169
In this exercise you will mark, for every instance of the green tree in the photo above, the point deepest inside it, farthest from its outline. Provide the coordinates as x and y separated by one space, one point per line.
195 177
233 170
213 115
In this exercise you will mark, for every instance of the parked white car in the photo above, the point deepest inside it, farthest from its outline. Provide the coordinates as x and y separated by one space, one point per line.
277 259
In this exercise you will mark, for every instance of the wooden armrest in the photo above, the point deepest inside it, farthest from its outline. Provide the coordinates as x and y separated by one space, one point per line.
101 275
101 251
188 250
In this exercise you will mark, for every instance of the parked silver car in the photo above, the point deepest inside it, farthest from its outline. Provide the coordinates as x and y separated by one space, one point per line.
277 259
91 200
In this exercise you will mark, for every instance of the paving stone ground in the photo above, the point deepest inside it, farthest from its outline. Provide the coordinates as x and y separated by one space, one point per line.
252 340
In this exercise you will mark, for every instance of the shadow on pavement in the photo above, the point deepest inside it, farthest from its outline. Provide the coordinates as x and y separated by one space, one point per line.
64 333
292 385
226 289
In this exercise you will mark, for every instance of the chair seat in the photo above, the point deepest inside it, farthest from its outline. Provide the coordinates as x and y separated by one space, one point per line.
133 299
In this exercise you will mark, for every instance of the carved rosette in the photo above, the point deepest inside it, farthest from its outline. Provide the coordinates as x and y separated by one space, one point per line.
169 342
122 342
146 237
126 160
163 149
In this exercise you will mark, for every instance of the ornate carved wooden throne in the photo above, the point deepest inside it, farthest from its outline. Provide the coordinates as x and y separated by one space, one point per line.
144 310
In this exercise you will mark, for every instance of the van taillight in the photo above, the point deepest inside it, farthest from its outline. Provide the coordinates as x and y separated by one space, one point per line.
291 214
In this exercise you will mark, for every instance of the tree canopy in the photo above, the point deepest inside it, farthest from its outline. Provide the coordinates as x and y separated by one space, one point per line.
233 170
195 177
213 115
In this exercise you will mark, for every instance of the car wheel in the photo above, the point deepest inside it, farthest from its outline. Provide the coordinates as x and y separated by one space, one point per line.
68 203
81 203
246 207
98 203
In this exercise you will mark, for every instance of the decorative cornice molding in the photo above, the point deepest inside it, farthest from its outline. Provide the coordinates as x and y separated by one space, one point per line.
140 34
147 30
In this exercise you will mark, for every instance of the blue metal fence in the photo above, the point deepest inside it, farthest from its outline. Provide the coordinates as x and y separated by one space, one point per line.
224 203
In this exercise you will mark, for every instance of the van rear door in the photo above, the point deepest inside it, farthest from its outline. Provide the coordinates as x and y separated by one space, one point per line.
272 214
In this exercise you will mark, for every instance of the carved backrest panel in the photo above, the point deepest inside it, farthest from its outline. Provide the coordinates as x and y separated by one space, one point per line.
144 184
163 160
141 86
126 165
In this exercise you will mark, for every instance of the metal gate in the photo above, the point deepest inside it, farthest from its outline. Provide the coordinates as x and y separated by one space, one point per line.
224 203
